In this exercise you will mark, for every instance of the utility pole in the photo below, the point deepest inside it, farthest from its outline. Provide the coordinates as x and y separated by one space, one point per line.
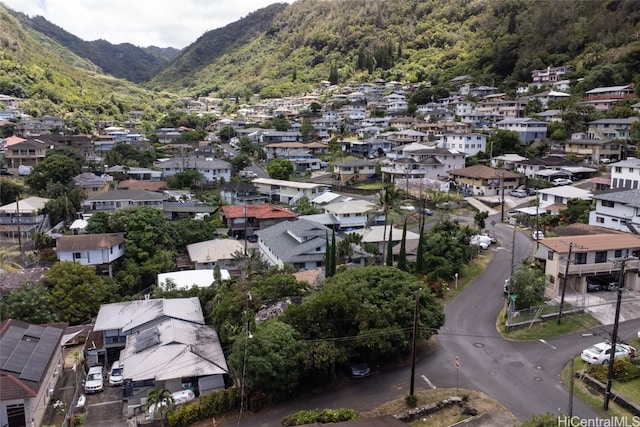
513 246
564 279
614 333
416 316
502 196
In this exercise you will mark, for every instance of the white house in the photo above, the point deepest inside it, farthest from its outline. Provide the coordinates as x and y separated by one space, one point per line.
91 249
470 144
351 213
212 170
617 209
626 173
288 191
395 102
186 279
561 195
216 252
528 129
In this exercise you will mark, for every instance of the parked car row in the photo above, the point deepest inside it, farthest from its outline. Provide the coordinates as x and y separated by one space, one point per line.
602 283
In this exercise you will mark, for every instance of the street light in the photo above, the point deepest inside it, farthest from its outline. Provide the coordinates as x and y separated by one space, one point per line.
456 276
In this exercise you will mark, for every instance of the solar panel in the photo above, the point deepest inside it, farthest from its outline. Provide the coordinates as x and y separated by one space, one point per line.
146 339
21 353
35 331
10 340
45 348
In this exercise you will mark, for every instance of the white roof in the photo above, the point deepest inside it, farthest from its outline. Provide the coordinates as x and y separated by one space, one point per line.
173 349
189 278
213 250
79 224
374 234
129 315
28 205
349 207
326 197
568 192
282 183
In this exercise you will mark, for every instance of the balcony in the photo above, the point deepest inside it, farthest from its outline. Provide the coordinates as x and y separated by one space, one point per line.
595 269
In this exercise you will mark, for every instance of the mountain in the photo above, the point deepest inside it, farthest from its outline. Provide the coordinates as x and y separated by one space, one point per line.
54 80
123 60
286 49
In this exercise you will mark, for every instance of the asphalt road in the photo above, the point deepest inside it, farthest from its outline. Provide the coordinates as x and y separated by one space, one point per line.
523 376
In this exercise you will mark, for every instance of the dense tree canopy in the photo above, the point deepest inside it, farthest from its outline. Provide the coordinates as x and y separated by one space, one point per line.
123 154
31 303
58 167
280 169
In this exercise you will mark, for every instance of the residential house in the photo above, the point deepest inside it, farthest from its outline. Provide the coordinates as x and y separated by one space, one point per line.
626 173
528 129
544 168
24 217
603 98
243 221
136 173
547 96
617 209
31 362
378 235
101 250
561 195
406 136
470 143
369 147
162 343
26 153
593 150
287 150
480 180
506 161
591 255
288 191
275 136
120 199
611 128
420 161
241 193
39 125
215 253
352 171
91 184
354 213
550 74
212 170
300 243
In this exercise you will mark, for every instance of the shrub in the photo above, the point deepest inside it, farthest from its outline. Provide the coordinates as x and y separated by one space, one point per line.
316 416
411 400
206 406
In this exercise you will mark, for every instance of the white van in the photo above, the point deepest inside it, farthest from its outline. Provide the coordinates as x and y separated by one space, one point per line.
115 375
94 381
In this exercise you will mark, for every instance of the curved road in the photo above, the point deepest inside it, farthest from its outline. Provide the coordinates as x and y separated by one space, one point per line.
522 376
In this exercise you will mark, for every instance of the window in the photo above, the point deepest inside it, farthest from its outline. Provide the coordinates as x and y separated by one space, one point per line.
550 255
581 258
601 256
608 203
600 220
619 253
77 255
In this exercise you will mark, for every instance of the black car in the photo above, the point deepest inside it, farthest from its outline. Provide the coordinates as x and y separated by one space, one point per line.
427 212
5 172
358 367
252 238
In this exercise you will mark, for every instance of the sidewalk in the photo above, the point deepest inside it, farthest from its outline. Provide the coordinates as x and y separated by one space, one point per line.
481 206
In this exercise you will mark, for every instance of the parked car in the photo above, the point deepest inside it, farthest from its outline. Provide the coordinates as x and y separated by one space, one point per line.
480 240
407 208
601 283
247 174
600 353
537 235
115 374
427 212
532 191
518 193
253 238
491 237
561 181
358 367
95 380
5 172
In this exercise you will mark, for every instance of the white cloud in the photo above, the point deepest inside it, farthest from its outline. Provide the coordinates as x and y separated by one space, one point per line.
163 23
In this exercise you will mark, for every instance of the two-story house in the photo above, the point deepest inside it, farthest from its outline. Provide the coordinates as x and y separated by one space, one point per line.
212 170
101 250
351 171
24 217
626 173
591 255
528 129
480 180
243 220
288 191
26 153
120 199
617 209
611 128
353 213
241 193
215 253
603 98
90 184
594 150
470 143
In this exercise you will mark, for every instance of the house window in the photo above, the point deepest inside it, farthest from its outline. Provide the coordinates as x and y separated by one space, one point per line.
550 255
608 203
600 220
77 255
581 258
619 253
618 169
601 256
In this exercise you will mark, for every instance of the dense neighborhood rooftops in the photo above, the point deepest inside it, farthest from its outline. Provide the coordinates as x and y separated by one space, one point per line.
260 211
628 197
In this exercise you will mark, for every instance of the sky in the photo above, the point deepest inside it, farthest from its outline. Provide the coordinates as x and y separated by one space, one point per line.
143 23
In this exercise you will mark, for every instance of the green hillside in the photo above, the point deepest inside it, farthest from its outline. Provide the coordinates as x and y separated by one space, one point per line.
499 42
58 82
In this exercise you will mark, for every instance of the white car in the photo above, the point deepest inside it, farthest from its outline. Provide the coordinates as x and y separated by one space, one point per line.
480 240
408 208
561 181
600 353
115 375
95 380
537 235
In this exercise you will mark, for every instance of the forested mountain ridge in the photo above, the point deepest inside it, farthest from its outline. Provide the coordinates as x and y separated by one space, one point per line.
123 60
499 42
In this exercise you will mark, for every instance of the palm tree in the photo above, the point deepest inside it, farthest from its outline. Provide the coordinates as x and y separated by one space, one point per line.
387 202
162 401
250 263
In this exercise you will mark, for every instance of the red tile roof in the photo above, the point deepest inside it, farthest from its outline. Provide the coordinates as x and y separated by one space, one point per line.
260 211
11 388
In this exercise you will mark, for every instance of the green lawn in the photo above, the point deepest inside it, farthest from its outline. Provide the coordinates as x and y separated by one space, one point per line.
371 185
548 329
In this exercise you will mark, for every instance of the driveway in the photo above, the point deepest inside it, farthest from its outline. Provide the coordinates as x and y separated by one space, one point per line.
602 305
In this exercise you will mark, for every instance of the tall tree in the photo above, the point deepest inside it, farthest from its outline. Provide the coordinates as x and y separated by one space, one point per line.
420 250
327 256
162 401
58 167
390 247
402 256
31 303
333 253
387 201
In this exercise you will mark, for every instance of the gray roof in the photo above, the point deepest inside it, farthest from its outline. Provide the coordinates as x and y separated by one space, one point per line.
129 315
194 163
625 121
127 195
296 241
628 197
173 349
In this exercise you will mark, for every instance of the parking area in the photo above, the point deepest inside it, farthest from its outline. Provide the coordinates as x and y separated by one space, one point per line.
106 408
602 304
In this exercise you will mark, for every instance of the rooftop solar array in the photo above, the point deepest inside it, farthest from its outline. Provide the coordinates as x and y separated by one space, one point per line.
27 351
147 338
